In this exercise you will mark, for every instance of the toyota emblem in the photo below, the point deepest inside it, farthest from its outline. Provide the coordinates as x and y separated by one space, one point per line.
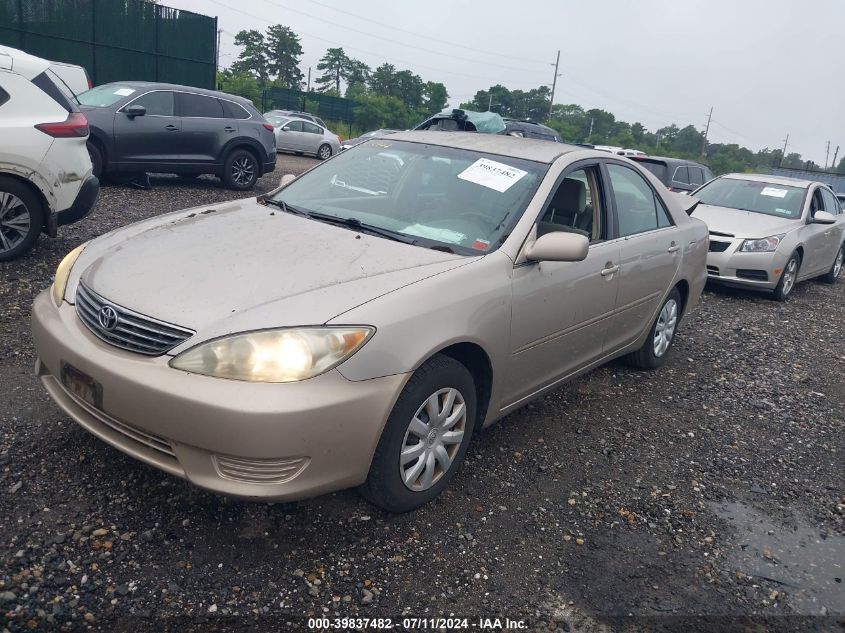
108 318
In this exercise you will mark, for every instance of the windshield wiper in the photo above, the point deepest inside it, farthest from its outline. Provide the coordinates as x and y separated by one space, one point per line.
287 208
354 223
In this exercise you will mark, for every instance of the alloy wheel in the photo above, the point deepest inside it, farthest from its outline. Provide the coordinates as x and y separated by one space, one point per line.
325 152
243 170
15 221
433 439
664 330
789 275
837 265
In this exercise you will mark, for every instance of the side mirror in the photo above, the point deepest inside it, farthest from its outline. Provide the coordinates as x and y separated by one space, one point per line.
284 128
823 217
135 110
558 246
287 179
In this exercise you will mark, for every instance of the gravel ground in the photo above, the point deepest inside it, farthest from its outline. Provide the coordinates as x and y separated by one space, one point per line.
688 498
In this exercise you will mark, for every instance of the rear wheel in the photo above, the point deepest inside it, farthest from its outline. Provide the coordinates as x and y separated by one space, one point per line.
788 277
654 351
324 152
21 218
425 438
241 170
831 275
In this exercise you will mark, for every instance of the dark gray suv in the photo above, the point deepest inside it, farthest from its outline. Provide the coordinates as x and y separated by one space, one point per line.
165 128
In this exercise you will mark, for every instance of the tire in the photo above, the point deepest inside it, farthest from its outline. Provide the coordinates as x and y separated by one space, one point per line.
445 378
830 276
788 277
661 335
240 171
97 160
324 152
21 218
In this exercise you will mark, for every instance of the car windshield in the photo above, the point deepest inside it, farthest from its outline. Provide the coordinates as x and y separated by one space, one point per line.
440 197
755 196
104 96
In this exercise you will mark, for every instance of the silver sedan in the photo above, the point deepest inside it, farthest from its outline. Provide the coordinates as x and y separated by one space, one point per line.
305 137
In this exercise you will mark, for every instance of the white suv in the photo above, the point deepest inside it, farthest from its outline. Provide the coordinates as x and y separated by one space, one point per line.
45 170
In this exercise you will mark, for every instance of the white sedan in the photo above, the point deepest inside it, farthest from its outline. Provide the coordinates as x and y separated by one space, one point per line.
304 137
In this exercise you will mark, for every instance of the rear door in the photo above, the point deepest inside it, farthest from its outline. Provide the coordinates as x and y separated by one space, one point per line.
312 137
205 128
650 253
153 138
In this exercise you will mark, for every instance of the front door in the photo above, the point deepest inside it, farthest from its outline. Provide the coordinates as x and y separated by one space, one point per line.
650 253
815 237
290 137
561 310
149 138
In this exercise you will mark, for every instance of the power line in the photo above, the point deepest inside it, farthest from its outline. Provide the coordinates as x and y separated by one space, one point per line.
428 37
398 42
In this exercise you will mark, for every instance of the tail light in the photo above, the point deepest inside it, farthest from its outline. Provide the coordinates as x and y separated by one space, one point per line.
90 84
267 126
74 126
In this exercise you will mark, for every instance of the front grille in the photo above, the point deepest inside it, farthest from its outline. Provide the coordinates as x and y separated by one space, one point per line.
131 331
756 275
719 247
259 471
713 270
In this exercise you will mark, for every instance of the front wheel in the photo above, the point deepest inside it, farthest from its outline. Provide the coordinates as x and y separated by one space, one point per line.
831 275
425 438
788 277
654 351
21 218
97 161
240 171
324 152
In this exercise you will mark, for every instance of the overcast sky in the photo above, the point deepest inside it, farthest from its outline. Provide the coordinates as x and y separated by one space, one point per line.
767 67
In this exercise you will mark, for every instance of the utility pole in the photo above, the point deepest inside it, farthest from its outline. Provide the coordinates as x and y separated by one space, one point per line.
554 85
309 79
590 133
706 132
217 52
658 141
835 154
783 152
826 154
490 101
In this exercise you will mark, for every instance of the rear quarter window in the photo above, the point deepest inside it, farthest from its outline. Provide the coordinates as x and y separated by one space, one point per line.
4 96
49 87
233 110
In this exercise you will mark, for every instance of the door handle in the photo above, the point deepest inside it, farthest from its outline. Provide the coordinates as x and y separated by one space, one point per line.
673 247
609 269
171 128
228 129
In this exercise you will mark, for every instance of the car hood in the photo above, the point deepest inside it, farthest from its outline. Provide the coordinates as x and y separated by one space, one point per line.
742 223
243 265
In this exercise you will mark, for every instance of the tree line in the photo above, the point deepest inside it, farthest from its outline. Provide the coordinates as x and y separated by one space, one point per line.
387 96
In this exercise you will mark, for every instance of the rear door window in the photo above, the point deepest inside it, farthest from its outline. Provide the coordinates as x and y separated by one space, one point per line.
311 128
681 175
199 106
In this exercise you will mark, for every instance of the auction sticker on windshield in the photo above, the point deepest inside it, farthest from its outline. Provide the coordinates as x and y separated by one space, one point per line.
774 192
491 174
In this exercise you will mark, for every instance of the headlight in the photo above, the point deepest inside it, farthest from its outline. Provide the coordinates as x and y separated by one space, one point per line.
285 355
63 272
764 245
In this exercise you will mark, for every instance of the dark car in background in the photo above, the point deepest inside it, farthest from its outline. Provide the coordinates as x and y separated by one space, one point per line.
676 173
166 128
529 129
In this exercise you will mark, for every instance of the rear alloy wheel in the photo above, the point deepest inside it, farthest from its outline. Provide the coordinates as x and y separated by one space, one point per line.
788 278
324 152
654 351
425 438
21 219
241 170
831 275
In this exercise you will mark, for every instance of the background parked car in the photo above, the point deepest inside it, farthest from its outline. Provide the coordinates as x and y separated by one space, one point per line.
166 128
454 120
770 232
529 129
352 142
297 114
45 172
676 173
74 77
306 137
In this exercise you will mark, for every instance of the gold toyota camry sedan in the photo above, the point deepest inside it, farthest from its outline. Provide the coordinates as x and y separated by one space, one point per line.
357 325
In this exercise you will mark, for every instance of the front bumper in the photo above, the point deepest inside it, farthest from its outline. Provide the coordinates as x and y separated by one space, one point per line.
82 205
277 442
734 268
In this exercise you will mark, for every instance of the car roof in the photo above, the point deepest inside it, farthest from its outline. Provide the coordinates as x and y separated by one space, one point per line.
525 148
775 180
29 66
667 159
153 85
